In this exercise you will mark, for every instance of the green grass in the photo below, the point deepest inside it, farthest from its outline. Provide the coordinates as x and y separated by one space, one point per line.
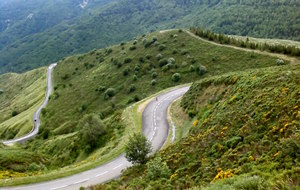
246 137
80 83
22 93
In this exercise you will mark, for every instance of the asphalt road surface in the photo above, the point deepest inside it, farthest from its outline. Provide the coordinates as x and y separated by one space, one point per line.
36 115
155 128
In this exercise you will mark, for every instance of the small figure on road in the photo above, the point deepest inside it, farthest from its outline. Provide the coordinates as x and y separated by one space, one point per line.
35 120
156 99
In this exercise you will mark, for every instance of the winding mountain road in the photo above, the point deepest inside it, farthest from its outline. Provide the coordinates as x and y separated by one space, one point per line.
155 128
36 115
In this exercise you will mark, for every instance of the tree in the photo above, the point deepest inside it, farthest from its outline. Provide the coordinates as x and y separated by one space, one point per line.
92 128
137 149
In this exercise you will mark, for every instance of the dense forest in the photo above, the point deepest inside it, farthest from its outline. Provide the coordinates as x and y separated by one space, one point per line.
37 36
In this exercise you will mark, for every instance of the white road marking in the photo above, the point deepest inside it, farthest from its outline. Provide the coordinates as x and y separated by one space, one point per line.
102 174
81 181
117 166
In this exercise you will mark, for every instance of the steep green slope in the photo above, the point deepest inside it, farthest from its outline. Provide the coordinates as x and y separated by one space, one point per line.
245 135
126 19
92 90
20 97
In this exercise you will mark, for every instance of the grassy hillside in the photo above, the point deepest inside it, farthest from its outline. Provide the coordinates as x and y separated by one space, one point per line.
20 97
91 90
122 20
244 134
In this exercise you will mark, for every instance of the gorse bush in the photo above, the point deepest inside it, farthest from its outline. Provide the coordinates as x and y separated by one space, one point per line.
157 169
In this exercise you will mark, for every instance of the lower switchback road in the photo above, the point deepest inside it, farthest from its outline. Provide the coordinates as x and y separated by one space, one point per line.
155 128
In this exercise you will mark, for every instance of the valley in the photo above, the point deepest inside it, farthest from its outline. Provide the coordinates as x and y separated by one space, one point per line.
149 94
146 65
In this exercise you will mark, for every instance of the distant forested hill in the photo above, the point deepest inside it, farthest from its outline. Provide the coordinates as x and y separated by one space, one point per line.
35 33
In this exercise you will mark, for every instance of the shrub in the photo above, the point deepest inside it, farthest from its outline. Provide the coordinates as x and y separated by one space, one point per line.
157 169
156 43
132 88
162 47
142 60
110 92
137 149
135 42
135 78
191 113
162 62
122 43
109 51
126 71
1 91
193 61
65 77
83 107
136 98
184 63
171 60
176 77
101 88
184 52
148 44
165 68
154 75
202 70
174 52
280 62
192 68
127 60
148 56
153 82
14 113
132 48
137 68
159 56
180 30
